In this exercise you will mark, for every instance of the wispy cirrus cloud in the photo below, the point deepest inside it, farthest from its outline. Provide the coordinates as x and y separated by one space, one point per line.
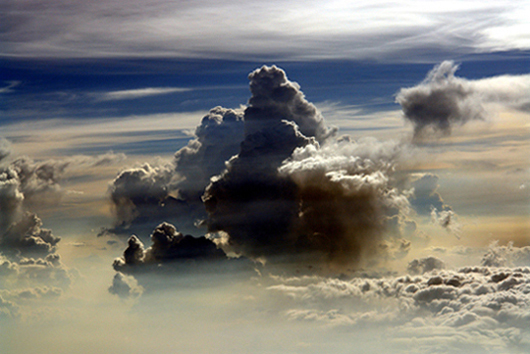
139 93
279 29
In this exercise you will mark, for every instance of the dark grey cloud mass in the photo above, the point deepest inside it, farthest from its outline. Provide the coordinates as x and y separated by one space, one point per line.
168 246
440 101
285 196
443 100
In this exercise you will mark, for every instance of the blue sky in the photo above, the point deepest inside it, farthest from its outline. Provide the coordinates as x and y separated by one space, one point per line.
374 183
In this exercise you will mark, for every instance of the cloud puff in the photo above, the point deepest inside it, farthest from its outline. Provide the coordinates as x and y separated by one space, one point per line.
168 245
145 196
506 256
425 196
443 100
424 265
125 286
275 98
285 196
447 219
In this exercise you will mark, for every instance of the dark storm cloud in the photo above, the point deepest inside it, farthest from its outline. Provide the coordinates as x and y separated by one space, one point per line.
145 196
168 245
285 195
443 100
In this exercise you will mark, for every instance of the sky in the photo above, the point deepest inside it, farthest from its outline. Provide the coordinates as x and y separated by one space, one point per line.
280 177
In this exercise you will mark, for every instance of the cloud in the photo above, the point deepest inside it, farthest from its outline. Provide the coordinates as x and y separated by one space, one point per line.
360 30
443 100
503 256
285 196
9 87
447 219
424 265
26 185
5 148
218 138
8 309
125 286
168 246
139 93
145 196
425 195
426 308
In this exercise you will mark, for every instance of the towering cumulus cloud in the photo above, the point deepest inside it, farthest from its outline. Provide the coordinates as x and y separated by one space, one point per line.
443 100
145 196
21 183
284 195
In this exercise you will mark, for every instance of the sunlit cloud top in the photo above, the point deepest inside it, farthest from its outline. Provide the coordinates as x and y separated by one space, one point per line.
279 29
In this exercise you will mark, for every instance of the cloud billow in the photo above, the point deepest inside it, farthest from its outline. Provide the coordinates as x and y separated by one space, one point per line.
444 101
143 197
284 196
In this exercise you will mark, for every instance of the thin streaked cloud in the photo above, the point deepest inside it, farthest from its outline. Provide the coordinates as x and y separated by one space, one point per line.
281 29
139 93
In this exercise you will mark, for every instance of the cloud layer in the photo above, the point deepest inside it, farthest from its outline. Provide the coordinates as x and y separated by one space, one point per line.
336 29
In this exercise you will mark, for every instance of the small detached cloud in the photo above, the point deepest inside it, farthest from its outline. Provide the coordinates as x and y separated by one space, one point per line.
125 287
139 93
443 100
168 246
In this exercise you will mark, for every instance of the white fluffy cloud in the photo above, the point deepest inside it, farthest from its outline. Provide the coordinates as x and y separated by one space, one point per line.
432 307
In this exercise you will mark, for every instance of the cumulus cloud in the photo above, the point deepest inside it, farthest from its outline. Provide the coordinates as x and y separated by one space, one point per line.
125 286
290 192
145 196
425 196
506 256
168 245
26 185
441 303
444 100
